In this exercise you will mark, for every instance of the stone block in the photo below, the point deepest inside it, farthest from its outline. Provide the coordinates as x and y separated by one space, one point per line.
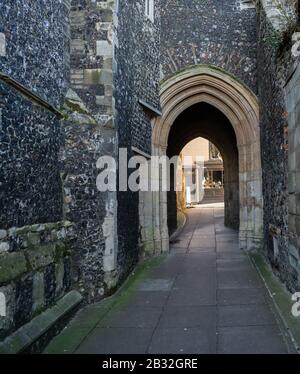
297 222
31 332
297 143
106 77
2 45
33 239
297 114
297 204
292 182
297 180
106 15
91 76
292 204
294 251
77 46
12 266
41 256
38 291
107 63
292 223
104 48
108 90
3 234
4 247
104 101
59 274
7 321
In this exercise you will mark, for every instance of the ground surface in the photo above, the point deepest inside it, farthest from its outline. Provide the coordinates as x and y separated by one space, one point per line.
205 297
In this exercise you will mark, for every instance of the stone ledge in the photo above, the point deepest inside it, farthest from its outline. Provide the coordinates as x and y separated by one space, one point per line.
39 326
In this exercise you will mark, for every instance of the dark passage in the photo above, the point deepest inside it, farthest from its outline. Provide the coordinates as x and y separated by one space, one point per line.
203 120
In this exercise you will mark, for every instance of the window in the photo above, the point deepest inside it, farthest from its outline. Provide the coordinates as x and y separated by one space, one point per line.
149 10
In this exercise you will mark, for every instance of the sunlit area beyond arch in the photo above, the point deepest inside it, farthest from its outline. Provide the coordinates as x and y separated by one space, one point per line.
202 175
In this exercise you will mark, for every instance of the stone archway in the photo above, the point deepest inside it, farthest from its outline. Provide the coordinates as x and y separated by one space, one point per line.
215 87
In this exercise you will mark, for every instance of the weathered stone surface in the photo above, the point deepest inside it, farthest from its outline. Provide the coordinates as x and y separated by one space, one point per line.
2 44
29 334
12 266
7 322
38 292
275 62
217 33
34 52
41 256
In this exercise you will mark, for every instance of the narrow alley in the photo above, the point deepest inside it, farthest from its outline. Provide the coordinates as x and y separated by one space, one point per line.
206 297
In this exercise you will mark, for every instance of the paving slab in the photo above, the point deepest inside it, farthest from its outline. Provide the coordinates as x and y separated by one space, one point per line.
184 316
178 250
183 341
205 297
228 247
200 280
201 250
198 242
230 255
156 299
116 341
163 284
236 296
245 315
194 297
229 278
251 340
132 317
181 243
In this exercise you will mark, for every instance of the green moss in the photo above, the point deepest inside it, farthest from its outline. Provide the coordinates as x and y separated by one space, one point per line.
141 272
280 296
40 256
273 39
87 319
95 76
75 107
60 250
12 266
33 239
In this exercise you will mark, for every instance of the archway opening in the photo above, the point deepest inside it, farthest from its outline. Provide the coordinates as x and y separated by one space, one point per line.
203 120
215 93
202 174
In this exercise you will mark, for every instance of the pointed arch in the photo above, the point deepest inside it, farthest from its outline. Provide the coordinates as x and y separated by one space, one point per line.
216 87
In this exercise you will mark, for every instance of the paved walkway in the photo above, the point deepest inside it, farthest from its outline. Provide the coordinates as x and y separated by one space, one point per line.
205 298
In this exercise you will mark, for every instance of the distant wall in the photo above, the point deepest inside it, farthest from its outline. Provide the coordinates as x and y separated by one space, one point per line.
214 32
275 64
